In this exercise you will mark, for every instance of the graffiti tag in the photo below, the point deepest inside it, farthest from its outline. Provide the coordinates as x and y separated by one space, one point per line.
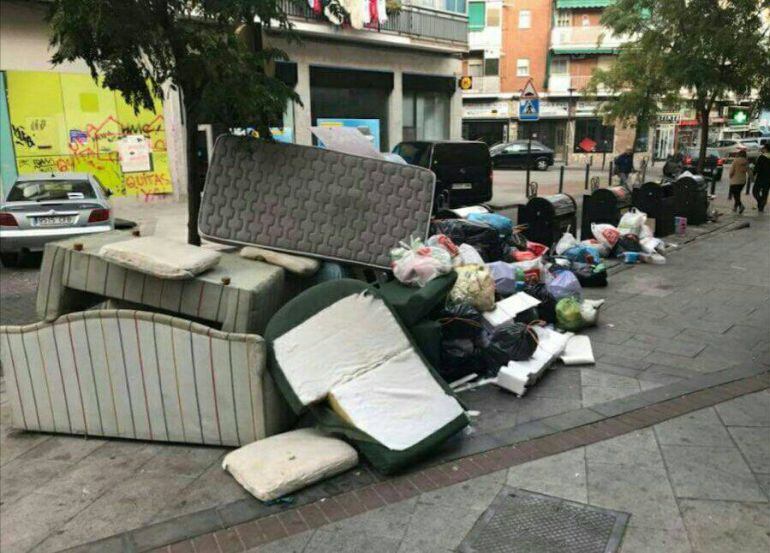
21 137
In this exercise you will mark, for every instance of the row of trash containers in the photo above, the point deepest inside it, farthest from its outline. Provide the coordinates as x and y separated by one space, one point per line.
548 217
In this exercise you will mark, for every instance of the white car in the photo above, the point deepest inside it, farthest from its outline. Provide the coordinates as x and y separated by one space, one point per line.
729 147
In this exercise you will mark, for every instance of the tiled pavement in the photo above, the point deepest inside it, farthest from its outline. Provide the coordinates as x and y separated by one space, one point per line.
663 328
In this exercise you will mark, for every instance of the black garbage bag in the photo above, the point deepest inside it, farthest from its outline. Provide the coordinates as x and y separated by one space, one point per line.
510 341
459 358
590 276
547 307
460 321
627 243
517 240
484 238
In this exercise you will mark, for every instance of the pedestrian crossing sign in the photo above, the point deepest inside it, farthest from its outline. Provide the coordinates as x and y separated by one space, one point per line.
529 109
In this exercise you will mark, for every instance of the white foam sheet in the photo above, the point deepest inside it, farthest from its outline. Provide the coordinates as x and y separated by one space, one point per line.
507 309
284 463
517 375
398 404
338 344
160 257
578 351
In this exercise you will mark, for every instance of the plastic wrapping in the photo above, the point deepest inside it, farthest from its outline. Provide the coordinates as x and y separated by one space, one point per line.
483 237
568 316
566 242
506 275
474 287
563 284
632 222
583 254
417 264
467 255
511 341
502 223
606 234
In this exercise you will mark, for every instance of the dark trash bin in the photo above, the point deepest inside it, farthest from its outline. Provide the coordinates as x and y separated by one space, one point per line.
691 198
548 217
657 201
604 205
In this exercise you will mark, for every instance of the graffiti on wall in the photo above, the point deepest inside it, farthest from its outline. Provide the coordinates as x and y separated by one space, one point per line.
64 122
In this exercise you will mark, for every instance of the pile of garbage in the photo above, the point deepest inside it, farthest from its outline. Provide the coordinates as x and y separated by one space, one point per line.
515 305
632 240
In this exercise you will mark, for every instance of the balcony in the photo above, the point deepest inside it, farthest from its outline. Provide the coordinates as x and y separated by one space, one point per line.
585 40
414 26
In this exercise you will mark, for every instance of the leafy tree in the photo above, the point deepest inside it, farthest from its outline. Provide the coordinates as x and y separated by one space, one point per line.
709 48
211 50
640 85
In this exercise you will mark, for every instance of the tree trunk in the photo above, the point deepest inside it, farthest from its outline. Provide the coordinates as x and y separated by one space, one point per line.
704 137
194 185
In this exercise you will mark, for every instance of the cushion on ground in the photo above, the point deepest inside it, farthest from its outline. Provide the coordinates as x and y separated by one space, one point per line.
302 266
160 257
398 403
282 464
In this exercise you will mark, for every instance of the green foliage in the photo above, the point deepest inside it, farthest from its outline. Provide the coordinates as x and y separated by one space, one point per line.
709 48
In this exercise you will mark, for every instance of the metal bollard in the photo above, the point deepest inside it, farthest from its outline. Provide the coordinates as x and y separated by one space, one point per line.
610 174
588 171
561 179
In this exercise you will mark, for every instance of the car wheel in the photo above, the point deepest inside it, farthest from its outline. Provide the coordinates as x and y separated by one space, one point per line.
8 259
542 164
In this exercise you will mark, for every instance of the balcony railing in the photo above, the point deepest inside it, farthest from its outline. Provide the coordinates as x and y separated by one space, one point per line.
413 21
591 37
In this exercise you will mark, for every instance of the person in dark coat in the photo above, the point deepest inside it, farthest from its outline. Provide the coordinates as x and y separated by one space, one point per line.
624 166
762 177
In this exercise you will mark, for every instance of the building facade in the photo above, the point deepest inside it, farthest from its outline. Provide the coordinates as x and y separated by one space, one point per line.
393 75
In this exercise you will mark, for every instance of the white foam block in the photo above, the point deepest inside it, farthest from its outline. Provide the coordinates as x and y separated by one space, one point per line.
517 375
337 344
578 351
398 404
507 309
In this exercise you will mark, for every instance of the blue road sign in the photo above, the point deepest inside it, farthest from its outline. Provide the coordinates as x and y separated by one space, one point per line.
529 109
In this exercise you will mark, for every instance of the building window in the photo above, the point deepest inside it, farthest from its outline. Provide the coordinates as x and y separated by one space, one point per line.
593 136
476 15
456 6
559 66
586 21
642 140
563 18
525 19
491 67
522 67
475 68
493 17
425 116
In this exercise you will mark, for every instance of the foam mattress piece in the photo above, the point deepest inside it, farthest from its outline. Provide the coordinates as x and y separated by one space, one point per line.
160 257
399 403
312 201
337 344
282 464
578 351
517 375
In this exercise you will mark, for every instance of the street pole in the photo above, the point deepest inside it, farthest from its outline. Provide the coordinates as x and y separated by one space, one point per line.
561 179
529 155
568 134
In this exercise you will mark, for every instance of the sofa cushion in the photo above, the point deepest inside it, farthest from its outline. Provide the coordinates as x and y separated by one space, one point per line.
297 264
160 257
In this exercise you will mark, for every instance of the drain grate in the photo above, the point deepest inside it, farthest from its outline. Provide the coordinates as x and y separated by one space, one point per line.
519 521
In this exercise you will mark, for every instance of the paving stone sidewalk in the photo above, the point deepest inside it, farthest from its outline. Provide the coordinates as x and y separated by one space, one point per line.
702 315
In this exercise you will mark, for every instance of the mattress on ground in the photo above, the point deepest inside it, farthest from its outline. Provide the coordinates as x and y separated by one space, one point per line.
312 201
139 375
388 447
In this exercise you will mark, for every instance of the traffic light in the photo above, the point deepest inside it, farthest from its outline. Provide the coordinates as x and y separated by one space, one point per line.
738 115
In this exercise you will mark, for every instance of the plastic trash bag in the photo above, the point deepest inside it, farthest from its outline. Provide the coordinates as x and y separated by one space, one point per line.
443 241
517 241
474 287
416 264
563 284
537 249
632 222
484 238
467 255
654 258
583 254
603 250
589 311
606 234
502 223
590 276
459 358
532 269
628 243
566 242
650 244
568 315
505 276
459 320
510 341
547 307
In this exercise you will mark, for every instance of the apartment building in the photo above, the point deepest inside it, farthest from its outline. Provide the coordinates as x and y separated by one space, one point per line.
393 75
558 44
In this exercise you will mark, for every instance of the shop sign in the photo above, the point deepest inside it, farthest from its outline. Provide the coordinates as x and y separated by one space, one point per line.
554 109
668 118
465 82
486 109
587 108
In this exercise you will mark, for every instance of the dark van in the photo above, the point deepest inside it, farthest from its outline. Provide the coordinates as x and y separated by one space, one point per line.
463 169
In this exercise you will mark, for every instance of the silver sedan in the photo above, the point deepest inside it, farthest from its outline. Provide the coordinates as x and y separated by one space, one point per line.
44 207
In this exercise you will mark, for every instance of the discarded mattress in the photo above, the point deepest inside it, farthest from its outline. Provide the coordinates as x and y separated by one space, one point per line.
311 201
236 295
516 376
282 464
148 376
345 356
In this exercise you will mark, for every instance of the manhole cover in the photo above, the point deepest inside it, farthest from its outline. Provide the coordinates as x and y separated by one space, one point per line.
519 521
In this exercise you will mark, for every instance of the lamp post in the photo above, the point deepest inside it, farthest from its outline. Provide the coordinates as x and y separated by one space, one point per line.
568 134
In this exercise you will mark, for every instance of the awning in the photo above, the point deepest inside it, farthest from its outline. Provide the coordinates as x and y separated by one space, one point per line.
568 4
578 50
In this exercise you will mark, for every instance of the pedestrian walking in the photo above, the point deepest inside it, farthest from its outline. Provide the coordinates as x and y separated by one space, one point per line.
739 173
624 166
762 177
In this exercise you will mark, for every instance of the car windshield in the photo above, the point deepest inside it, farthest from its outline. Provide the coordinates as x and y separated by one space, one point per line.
42 190
414 153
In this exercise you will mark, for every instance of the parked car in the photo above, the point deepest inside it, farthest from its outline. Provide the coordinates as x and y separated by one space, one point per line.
463 169
729 147
513 155
40 208
712 166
